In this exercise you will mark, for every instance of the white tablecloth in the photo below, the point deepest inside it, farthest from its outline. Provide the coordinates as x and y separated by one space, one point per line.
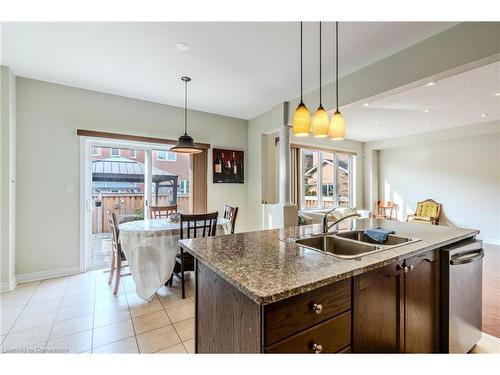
150 247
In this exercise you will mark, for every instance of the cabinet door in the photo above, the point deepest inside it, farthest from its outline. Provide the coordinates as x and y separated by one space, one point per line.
421 312
377 310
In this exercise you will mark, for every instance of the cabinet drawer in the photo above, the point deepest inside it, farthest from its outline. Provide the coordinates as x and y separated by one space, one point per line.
292 315
332 335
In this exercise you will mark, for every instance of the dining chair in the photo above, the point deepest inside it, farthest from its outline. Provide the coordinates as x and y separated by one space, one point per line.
117 255
230 213
427 212
380 212
192 226
162 212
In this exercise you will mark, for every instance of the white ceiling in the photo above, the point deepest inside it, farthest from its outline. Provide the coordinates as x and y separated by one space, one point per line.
455 101
238 69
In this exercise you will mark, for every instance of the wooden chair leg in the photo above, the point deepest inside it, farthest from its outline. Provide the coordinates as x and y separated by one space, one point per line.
118 274
111 268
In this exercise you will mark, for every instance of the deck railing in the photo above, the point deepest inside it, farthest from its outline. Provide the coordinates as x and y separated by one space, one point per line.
127 206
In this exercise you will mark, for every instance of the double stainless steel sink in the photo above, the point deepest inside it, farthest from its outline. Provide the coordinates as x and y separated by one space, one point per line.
350 244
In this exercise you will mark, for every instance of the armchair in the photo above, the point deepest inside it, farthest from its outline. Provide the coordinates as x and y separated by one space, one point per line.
427 212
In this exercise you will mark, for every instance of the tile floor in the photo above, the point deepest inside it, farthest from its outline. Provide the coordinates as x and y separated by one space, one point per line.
79 314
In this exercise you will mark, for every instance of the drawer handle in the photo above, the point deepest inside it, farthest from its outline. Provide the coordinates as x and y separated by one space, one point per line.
317 348
317 308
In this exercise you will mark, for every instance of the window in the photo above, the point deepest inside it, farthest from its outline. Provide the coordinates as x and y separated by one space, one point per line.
115 152
96 151
184 187
166 155
327 179
133 154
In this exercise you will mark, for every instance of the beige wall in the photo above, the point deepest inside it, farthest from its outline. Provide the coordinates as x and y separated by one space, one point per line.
7 179
463 174
48 115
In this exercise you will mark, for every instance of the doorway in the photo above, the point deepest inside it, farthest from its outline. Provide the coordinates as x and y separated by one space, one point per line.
126 178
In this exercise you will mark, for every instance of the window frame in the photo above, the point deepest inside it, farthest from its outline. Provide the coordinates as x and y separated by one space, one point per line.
96 151
183 187
319 184
111 152
167 153
133 153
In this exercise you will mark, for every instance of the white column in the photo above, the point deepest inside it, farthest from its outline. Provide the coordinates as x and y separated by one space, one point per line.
8 179
284 165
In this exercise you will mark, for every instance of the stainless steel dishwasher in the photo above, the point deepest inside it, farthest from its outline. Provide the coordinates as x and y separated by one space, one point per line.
461 295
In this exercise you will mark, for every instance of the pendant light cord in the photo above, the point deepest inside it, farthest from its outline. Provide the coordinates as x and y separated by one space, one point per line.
320 97
337 62
301 61
185 106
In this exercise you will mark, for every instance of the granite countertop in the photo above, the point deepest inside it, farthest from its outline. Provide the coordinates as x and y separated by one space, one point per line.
267 269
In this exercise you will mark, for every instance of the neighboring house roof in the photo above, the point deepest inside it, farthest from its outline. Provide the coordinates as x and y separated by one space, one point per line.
125 170
342 165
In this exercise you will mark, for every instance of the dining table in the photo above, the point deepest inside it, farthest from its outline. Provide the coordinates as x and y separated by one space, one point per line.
150 247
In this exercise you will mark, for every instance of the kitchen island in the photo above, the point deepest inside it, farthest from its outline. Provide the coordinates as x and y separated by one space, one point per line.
259 292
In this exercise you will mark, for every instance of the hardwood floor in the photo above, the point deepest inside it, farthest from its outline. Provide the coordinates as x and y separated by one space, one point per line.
491 290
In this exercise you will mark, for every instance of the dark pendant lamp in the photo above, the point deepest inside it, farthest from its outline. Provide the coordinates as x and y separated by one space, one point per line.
320 122
301 119
337 124
185 145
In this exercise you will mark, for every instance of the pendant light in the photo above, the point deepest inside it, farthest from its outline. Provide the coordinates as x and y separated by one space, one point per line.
320 122
185 145
337 124
301 119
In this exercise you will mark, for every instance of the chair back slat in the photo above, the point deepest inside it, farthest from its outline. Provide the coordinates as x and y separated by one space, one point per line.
205 223
162 212
230 213
113 227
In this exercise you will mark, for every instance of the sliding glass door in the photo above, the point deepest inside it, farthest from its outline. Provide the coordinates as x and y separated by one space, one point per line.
127 178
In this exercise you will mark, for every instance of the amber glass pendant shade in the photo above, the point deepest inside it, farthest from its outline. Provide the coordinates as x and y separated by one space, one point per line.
337 127
320 123
301 125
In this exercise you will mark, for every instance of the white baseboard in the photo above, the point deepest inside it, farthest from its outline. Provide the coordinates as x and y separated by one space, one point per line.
35 276
8 285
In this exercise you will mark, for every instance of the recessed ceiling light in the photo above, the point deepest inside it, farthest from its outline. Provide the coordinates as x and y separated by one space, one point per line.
496 94
366 105
427 126
376 122
426 110
431 83
484 114
182 46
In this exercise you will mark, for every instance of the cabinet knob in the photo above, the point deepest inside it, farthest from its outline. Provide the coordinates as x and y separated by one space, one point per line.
317 348
405 269
411 267
317 308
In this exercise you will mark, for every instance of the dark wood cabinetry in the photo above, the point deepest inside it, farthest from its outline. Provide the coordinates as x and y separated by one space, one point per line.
395 308
287 317
421 295
331 336
377 307
390 309
227 321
